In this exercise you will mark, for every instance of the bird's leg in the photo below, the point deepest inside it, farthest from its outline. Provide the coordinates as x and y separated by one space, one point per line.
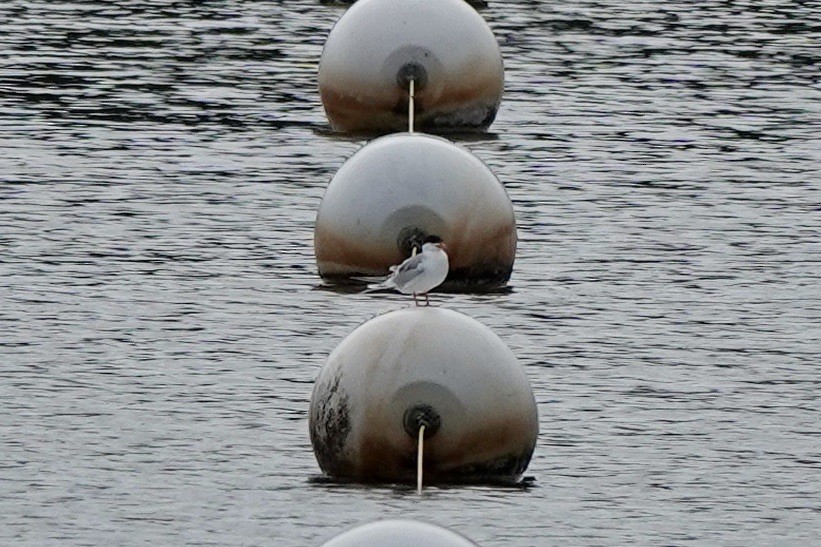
427 302
415 301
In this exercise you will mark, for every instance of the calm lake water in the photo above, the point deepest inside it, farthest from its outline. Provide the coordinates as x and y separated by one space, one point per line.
162 321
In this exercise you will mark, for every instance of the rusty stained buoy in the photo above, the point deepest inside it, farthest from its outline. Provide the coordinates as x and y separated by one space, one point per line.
399 533
423 365
399 189
378 45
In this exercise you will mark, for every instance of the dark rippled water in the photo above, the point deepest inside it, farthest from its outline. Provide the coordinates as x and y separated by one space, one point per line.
161 326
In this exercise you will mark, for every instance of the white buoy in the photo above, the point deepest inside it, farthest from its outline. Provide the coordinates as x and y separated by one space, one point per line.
399 533
478 4
377 46
423 366
400 188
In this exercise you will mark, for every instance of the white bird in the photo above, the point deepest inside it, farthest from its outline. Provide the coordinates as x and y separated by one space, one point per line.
419 273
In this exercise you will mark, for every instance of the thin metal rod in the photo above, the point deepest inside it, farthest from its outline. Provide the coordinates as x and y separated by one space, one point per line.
411 113
419 459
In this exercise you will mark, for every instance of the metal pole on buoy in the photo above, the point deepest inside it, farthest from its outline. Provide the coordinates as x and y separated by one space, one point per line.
410 105
419 459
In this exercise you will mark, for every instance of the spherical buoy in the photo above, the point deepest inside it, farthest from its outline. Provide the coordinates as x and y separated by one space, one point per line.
475 3
378 45
423 366
399 533
400 188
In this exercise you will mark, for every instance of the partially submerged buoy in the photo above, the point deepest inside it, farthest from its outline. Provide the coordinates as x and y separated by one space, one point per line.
401 188
423 366
399 533
475 3
377 46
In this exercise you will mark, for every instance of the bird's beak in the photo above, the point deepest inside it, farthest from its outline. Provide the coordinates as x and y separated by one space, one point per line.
442 246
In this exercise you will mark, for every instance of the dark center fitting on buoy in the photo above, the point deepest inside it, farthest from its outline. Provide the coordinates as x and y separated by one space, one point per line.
411 238
412 71
421 415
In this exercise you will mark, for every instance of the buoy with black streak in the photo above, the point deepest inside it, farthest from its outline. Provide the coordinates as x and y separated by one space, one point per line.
399 189
378 46
399 533
423 366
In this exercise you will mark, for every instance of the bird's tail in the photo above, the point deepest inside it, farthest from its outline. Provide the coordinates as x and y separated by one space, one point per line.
375 283
378 287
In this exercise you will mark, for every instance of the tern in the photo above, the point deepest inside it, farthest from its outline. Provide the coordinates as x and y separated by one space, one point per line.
420 273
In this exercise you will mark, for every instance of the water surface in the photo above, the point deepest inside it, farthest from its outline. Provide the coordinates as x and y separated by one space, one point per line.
162 320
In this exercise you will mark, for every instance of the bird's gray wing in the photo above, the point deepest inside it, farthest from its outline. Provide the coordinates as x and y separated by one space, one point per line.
407 270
